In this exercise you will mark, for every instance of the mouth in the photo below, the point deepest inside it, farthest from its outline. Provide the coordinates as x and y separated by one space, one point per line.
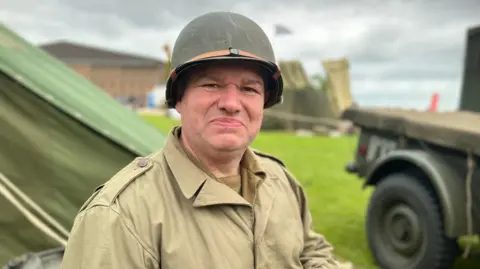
227 122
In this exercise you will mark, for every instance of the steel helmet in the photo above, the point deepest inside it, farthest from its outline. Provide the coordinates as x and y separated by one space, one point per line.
218 36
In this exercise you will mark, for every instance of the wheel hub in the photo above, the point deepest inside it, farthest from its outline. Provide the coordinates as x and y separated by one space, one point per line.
403 230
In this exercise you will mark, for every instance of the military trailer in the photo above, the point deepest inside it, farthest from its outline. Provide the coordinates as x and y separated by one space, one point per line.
425 170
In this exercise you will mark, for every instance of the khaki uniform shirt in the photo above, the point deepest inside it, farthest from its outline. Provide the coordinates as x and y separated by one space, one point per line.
164 211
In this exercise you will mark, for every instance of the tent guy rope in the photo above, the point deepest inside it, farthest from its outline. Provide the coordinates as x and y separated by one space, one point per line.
6 184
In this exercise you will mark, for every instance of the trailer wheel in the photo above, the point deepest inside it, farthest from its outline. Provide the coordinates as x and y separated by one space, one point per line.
405 226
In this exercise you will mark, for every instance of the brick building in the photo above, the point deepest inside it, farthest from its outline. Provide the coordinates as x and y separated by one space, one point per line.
124 76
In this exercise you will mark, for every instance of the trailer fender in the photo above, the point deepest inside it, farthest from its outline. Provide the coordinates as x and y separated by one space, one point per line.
447 184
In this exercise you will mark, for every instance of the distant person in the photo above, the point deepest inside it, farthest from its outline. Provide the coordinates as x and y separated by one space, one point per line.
206 200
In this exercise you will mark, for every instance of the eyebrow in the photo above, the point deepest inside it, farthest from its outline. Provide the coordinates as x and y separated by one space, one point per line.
203 76
252 81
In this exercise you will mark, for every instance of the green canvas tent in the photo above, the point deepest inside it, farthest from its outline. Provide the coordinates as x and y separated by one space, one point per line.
303 107
60 137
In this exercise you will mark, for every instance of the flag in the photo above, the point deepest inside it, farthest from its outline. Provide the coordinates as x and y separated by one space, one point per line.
282 30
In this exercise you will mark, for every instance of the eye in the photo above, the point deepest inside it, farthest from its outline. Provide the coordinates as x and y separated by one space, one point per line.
211 86
250 90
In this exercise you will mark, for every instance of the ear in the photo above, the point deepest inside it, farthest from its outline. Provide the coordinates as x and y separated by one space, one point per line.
178 107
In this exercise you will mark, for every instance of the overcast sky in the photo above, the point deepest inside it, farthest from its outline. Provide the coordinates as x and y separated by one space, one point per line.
400 52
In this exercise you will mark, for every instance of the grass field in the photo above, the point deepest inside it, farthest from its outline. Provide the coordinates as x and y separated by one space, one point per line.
336 199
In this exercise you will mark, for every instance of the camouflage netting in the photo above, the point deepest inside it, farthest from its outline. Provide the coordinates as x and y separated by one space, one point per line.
456 129
300 98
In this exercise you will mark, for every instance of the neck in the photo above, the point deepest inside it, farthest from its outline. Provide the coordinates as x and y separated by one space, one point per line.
220 164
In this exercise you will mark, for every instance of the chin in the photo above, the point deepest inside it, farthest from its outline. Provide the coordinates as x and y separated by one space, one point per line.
227 142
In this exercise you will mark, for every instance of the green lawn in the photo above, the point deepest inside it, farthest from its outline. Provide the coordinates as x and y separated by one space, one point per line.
337 201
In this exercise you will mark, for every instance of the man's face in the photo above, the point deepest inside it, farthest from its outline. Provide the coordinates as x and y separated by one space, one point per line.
222 106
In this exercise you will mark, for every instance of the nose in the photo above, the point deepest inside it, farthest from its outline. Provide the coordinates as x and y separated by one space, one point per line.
230 99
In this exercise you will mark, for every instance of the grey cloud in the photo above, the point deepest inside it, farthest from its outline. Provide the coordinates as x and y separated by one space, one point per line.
415 40
411 56
54 19
411 40
149 13
378 60
140 13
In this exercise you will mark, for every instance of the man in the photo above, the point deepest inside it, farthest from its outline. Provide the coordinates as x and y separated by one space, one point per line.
206 200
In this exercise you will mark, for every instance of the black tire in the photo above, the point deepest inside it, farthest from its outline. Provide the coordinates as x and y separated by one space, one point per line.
404 208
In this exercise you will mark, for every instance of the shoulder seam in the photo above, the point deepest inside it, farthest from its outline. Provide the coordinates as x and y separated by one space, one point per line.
133 175
115 189
137 237
130 230
271 157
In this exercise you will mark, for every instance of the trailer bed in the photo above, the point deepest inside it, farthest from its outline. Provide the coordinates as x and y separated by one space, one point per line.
458 129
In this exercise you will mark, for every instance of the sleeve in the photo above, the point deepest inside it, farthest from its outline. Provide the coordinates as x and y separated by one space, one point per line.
101 239
317 251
